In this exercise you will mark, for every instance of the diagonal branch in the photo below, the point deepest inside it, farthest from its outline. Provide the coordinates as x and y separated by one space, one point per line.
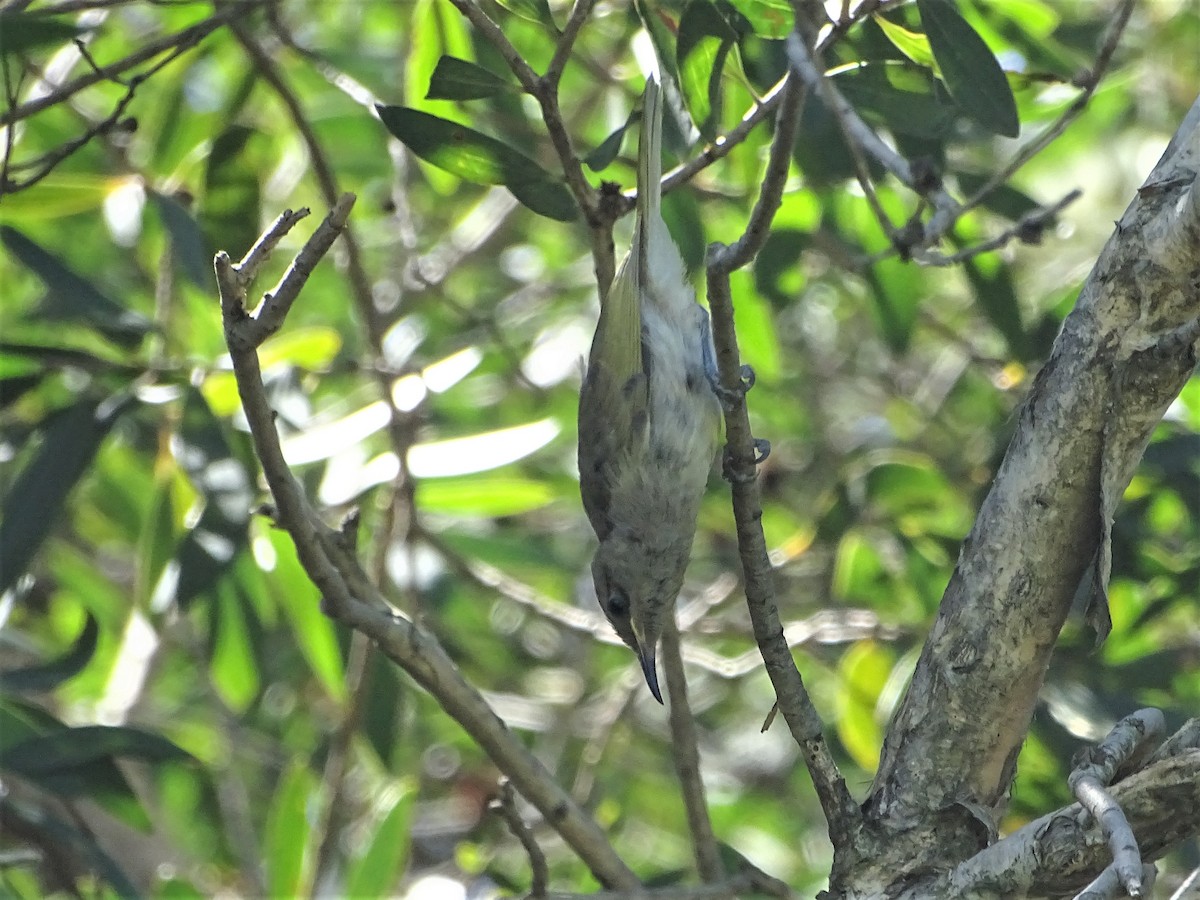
347 593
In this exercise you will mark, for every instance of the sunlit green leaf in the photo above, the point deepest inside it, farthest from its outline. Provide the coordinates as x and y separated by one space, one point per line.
287 832
311 348
234 669
769 18
57 195
703 43
313 630
375 874
912 44
485 496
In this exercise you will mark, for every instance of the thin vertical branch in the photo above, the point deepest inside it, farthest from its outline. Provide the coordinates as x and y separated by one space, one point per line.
685 754
794 702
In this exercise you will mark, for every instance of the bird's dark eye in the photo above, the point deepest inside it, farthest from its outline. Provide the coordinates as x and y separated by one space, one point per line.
618 603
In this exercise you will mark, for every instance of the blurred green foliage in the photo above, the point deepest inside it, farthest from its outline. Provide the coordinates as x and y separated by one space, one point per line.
143 597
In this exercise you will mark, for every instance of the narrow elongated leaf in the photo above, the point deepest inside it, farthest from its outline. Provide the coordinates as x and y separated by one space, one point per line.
703 43
52 831
76 747
208 551
1004 200
607 151
457 79
375 874
187 241
69 443
229 210
46 676
991 280
476 157
287 832
973 75
20 31
71 297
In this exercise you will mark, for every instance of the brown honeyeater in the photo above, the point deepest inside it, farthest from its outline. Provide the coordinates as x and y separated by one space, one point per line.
649 417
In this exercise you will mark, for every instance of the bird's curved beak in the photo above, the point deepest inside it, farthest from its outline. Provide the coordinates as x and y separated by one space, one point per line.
646 656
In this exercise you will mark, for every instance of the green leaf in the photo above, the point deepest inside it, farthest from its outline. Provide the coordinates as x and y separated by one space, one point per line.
312 348
233 666
912 44
457 79
230 209
607 151
701 48
58 195
301 603
531 10
21 31
1004 200
905 98
475 157
386 855
972 74
991 280
71 297
772 19
69 443
485 496
188 248
77 747
287 832
209 549
47 676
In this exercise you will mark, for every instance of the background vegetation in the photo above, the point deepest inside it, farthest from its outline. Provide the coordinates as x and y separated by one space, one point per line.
429 377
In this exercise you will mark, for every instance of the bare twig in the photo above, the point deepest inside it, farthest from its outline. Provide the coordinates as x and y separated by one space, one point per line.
1057 851
1182 891
770 194
566 41
797 707
505 805
685 754
180 40
349 595
1028 230
1132 738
